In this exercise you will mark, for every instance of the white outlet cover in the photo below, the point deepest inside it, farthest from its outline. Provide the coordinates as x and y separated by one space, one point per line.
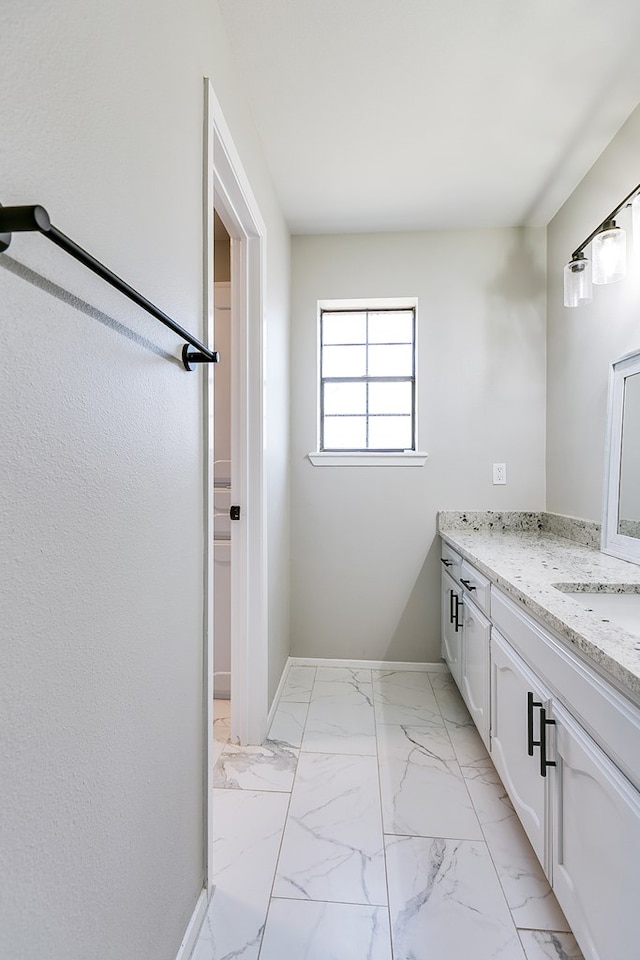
499 473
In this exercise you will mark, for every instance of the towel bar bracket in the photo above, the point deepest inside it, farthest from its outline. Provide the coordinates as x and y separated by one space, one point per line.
5 240
189 358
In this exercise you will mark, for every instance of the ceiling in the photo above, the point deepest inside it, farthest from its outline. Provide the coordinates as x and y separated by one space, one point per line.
380 115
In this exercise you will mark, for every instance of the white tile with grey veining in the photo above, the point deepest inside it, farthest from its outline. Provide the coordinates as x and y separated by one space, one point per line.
344 674
298 685
423 791
449 699
525 886
332 847
467 743
269 767
446 902
218 747
345 692
222 729
341 719
340 729
544 945
403 696
288 723
307 930
248 829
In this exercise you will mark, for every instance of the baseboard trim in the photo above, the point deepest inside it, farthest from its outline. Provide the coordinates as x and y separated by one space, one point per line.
193 927
364 665
276 699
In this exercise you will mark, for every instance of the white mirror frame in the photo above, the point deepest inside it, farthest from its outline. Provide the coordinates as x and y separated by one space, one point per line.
613 543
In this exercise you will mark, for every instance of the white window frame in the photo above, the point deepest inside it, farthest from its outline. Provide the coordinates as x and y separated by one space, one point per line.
367 458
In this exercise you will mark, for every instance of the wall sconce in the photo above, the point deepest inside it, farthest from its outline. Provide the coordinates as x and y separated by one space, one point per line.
608 254
577 281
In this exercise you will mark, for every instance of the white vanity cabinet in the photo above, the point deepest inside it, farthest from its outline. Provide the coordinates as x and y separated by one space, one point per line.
465 634
451 626
566 744
595 827
515 737
474 669
580 811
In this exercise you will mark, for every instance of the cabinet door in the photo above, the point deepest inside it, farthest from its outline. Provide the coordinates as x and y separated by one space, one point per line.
451 615
596 845
512 729
475 666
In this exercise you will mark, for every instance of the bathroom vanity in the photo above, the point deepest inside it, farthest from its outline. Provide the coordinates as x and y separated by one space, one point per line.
552 681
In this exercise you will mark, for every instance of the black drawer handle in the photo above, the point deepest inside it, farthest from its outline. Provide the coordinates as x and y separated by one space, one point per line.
542 742
447 563
468 584
544 723
458 604
531 705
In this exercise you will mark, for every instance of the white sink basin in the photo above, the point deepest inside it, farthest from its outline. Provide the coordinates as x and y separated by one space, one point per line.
620 608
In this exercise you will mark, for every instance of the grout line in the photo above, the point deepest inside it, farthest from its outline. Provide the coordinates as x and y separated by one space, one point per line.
384 846
348 903
284 825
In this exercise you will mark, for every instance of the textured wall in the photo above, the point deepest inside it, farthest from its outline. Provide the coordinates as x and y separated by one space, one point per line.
101 712
364 558
582 342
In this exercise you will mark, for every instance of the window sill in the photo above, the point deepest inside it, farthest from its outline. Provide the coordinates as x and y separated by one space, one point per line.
410 458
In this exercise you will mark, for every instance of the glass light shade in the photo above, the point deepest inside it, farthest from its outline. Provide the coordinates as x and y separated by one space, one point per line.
577 282
609 253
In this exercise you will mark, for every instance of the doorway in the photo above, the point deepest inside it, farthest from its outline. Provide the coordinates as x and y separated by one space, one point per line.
228 194
222 487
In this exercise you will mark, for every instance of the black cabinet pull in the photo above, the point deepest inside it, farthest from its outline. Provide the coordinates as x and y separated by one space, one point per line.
544 723
531 705
458 604
447 563
451 596
467 584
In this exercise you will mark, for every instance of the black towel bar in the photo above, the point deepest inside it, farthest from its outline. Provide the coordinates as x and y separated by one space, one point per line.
36 218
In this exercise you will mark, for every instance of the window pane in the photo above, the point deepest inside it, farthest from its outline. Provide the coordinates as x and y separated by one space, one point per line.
390 398
344 361
346 398
390 433
391 327
395 361
344 328
345 433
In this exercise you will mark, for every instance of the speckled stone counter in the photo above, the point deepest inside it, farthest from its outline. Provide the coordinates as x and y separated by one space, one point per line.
523 554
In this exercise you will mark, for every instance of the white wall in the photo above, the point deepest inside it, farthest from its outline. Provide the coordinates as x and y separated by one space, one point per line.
364 557
583 341
101 712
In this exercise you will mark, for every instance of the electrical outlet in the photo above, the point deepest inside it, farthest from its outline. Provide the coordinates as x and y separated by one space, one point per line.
499 473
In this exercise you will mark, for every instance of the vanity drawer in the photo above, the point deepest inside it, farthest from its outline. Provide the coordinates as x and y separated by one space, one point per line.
609 717
477 586
451 561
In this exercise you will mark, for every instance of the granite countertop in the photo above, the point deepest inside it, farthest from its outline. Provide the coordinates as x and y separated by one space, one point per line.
524 554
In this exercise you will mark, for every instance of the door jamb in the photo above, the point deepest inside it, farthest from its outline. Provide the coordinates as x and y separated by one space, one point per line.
227 190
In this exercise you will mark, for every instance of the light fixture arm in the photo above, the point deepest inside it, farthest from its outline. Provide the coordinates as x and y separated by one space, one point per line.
614 213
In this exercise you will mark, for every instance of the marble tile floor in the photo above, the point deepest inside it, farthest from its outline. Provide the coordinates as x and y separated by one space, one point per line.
371 825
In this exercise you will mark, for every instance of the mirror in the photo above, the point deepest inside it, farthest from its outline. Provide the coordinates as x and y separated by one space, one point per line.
621 508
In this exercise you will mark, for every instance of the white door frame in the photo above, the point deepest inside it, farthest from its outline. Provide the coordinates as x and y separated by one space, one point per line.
227 189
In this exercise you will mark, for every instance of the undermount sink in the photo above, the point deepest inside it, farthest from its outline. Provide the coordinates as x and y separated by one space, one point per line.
621 607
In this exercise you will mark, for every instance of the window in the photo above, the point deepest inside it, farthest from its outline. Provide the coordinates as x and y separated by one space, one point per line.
367 379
